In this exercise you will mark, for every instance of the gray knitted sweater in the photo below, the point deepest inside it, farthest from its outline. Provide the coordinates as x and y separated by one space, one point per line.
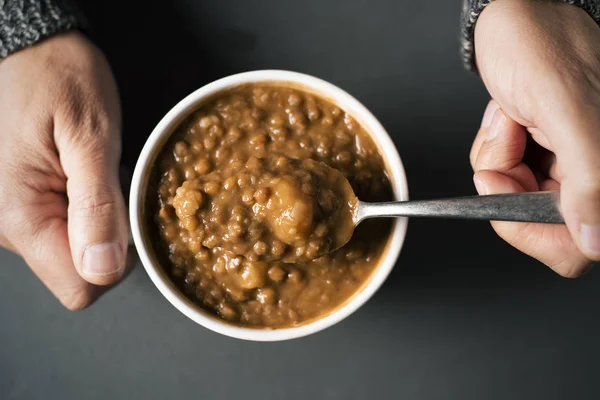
25 22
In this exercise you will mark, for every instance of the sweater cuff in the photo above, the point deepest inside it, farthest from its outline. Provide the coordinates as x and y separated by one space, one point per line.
473 8
25 22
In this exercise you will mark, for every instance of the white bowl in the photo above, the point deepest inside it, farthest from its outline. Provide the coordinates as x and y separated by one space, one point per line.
190 104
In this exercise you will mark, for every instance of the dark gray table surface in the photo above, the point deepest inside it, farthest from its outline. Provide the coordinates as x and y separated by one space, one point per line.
463 315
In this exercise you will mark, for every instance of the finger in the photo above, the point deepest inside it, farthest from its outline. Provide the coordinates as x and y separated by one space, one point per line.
572 124
554 170
550 244
545 165
549 184
476 147
43 242
96 214
540 138
483 129
503 150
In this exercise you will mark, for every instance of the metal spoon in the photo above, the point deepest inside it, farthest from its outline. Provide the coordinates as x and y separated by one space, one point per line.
524 207
542 207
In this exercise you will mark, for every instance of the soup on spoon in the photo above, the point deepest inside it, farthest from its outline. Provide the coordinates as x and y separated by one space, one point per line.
283 209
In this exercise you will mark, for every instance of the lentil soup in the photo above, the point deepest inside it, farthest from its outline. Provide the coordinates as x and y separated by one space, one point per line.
219 166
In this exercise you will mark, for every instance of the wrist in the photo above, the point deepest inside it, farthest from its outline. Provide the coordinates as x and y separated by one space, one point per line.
526 13
516 28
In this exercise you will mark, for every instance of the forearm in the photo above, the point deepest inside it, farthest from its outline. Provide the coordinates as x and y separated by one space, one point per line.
473 8
25 22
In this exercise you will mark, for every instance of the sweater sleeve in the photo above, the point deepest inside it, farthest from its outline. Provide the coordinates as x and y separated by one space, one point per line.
473 8
25 22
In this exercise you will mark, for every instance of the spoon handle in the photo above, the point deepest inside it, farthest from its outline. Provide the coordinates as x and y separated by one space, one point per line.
525 207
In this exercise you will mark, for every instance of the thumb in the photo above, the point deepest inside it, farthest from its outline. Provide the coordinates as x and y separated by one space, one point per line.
574 133
97 223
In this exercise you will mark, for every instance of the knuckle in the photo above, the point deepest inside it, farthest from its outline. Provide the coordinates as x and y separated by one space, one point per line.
101 203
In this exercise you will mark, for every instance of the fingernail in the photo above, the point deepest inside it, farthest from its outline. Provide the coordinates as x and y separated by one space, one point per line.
102 259
488 114
496 125
590 238
481 189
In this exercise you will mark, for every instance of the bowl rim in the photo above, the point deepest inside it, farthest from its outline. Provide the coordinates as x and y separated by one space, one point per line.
178 113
